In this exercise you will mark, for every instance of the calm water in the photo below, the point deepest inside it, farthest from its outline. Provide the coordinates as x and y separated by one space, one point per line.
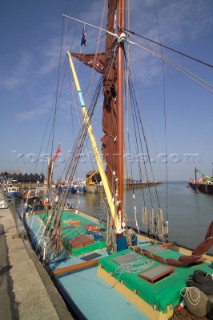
189 213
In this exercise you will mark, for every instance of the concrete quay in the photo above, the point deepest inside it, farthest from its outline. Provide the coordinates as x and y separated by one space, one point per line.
26 290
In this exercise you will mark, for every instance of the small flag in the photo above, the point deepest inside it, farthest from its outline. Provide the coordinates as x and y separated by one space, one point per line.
83 39
57 152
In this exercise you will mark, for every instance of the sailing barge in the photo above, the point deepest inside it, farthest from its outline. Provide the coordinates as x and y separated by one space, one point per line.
108 271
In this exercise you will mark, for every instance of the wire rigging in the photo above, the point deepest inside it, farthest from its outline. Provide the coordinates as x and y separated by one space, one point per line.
189 74
156 225
164 111
169 48
54 107
195 78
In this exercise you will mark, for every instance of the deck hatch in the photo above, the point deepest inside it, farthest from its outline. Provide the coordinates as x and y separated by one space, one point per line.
91 256
156 273
126 258
80 241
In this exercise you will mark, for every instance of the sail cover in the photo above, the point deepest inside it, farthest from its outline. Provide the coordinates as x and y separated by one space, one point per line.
104 63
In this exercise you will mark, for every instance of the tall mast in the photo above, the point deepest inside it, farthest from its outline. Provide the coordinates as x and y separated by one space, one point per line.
121 25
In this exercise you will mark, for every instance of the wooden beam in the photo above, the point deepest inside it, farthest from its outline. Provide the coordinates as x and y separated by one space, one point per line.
75 267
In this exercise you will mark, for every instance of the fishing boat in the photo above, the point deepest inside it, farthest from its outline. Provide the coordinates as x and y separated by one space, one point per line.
203 184
14 195
13 192
108 269
80 188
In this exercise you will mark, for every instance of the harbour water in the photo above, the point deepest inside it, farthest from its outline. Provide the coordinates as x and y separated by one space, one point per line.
189 213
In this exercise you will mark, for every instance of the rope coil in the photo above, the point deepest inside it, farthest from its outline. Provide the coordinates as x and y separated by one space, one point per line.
135 266
192 294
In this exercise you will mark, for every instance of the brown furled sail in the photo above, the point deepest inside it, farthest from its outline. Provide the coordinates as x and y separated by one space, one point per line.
96 61
183 261
109 119
104 63
206 244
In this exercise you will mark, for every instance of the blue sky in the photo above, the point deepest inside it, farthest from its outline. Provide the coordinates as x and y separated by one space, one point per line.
31 39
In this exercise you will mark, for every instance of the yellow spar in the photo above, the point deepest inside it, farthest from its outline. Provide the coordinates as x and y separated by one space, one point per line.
104 179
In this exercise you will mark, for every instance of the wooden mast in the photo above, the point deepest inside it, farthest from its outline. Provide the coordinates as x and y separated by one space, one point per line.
50 171
121 25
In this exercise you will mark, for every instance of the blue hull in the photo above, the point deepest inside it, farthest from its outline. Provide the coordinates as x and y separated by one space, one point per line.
14 195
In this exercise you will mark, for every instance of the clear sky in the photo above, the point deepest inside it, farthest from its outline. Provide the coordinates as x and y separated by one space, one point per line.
31 42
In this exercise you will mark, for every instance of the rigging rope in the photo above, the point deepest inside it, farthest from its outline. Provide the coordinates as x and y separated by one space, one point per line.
169 48
200 81
189 74
134 266
157 227
192 294
71 167
136 115
164 113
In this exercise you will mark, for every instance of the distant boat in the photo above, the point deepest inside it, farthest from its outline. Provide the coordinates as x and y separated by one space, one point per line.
72 189
203 184
13 192
14 195
80 189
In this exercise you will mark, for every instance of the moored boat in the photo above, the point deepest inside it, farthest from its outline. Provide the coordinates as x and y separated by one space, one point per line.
14 195
111 270
12 192
80 188
203 184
